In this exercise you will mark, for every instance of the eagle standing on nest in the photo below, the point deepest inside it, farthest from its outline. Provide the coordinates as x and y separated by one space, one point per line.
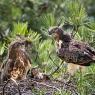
18 62
76 54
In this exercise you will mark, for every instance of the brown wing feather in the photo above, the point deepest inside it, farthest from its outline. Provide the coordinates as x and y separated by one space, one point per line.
76 53
17 64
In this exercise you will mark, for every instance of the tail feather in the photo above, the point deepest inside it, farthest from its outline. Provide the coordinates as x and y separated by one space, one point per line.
91 50
93 58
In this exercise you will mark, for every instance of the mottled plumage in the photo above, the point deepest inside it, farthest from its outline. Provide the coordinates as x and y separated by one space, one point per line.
77 53
71 51
18 62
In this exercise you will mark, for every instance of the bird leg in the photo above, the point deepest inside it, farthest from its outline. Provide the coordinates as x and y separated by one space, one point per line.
56 69
51 58
53 63
71 69
14 82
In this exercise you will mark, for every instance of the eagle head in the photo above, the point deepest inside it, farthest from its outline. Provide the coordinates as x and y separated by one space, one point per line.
56 32
20 44
59 34
54 29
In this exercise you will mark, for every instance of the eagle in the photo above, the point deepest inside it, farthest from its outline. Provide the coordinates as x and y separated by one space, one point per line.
17 63
37 75
76 53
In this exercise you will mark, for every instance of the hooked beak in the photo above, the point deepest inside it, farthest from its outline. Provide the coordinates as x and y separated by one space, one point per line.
51 30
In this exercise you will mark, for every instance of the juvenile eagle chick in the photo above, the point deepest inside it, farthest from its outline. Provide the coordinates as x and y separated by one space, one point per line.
76 54
38 75
18 62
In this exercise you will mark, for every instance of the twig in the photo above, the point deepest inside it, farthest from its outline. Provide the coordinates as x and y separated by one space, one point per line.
51 58
74 31
54 87
46 85
58 67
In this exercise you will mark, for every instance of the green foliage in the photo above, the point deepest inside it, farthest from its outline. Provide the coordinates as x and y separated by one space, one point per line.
91 26
2 48
75 12
19 28
48 20
32 18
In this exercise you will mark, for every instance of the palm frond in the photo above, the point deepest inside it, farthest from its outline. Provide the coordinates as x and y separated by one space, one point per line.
19 28
75 12
48 20
91 26
2 48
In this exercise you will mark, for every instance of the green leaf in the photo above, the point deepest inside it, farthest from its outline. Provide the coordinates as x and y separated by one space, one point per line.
2 48
19 28
75 12
48 20
91 26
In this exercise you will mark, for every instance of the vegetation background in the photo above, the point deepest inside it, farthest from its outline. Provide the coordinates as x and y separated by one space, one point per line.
33 18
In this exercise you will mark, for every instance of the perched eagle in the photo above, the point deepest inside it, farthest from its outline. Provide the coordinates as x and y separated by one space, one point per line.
76 54
18 62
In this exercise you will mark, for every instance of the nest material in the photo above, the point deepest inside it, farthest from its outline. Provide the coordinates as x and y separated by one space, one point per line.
31 86
39 82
